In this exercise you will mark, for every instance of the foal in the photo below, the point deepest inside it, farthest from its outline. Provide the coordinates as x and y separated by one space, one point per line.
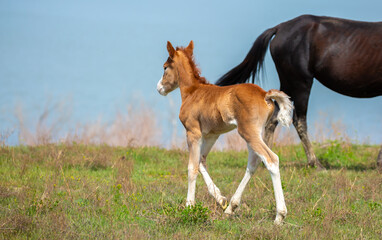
208 110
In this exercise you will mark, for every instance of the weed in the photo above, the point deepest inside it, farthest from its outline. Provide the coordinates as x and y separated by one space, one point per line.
196 214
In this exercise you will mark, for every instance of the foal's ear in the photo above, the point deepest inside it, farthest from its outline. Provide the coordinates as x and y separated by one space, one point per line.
190 48
170 49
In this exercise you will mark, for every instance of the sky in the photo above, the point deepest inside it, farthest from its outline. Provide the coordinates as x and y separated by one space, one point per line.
93 58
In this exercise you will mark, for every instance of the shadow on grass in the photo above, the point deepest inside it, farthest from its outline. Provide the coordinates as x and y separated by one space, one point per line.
330 166
355 167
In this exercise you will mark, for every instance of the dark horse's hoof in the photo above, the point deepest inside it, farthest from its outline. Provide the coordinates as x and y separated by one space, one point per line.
317 164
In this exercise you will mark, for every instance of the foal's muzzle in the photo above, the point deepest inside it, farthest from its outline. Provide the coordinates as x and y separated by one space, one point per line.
160 88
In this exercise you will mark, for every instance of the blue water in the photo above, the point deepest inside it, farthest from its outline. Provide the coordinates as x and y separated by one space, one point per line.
90 60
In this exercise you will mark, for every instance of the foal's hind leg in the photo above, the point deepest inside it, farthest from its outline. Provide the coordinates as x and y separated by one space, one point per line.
214 191
271 162
253 162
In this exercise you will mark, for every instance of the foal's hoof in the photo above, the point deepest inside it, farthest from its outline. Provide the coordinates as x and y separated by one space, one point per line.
228 213
279 220
228 210
190 203
223 203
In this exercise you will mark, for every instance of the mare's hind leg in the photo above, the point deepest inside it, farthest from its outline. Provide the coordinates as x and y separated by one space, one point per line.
298 88
299 122
379 159
270 127
253 162
207 143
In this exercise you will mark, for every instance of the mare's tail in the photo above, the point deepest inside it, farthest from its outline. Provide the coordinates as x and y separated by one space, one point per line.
284 116
251 64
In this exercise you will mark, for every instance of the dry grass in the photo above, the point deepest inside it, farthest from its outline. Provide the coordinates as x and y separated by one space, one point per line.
137 126
328 129
140 126
4 135
46 128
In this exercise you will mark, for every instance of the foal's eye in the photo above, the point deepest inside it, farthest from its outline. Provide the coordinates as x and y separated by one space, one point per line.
165 68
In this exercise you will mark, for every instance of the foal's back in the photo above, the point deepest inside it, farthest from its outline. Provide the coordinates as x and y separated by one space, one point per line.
220 109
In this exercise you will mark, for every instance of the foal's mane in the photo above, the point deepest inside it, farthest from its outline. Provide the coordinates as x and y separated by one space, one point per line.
195 69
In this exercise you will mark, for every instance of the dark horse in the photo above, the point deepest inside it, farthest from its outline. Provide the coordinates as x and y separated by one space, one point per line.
344 55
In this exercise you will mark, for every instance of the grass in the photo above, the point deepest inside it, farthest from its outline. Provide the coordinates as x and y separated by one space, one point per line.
83 192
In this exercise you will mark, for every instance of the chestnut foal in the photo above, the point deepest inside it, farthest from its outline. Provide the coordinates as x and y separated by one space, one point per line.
208 110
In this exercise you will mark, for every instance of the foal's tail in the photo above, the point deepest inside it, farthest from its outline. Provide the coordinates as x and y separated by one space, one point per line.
286 107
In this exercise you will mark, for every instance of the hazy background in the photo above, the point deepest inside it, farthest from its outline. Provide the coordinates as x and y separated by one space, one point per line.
89 60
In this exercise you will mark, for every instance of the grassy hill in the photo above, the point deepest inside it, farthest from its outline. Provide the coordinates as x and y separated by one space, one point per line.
83 192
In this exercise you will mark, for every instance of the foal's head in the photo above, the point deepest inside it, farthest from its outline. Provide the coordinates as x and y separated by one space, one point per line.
179 64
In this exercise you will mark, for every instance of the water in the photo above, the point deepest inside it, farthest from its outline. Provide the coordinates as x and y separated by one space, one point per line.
89 61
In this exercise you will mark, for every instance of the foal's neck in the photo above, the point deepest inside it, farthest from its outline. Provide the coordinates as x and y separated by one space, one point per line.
187 82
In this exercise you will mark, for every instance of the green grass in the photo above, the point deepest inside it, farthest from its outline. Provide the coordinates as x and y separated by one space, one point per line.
84 192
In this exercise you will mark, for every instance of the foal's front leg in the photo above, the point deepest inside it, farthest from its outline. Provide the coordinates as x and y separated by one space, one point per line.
194 142
207 143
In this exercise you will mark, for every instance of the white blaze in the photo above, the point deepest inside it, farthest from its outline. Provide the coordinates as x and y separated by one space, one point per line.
160 87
